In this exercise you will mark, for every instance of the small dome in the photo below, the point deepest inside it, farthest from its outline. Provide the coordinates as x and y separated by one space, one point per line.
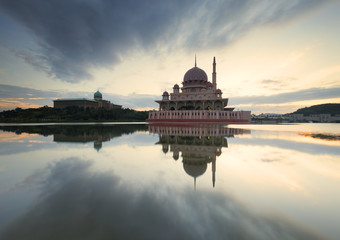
165 93
176 86
165 148
209 84
98 95
219 91
195 73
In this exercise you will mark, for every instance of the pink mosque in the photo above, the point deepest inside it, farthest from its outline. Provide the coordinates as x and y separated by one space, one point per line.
197 101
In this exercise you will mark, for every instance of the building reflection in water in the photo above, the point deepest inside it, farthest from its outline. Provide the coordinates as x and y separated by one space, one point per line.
198 145
96 137
74 133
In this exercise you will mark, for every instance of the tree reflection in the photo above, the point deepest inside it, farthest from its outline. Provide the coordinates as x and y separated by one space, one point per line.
74 133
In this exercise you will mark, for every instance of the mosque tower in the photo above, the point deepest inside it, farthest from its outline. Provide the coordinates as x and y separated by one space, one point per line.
214 75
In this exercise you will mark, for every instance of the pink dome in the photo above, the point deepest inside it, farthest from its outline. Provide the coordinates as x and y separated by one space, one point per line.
209 84
176 86
195 73
165 93
219 91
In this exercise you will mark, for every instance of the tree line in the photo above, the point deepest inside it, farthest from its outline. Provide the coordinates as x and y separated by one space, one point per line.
72 114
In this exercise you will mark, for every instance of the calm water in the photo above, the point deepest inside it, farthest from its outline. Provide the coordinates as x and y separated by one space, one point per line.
117 181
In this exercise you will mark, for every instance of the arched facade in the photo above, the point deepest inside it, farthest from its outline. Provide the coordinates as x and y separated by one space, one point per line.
196 96
196 93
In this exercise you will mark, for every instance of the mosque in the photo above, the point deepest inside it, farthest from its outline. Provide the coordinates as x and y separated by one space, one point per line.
96 102
198 100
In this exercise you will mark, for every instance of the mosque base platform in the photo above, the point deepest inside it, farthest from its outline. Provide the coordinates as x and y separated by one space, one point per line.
197 121
199 116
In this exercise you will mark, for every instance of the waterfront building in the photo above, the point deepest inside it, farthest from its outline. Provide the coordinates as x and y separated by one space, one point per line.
198 100
96 102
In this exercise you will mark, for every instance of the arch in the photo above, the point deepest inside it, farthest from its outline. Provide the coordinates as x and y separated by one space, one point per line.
218 105
172 106
190 105
208 105
164 107
198 105
180 105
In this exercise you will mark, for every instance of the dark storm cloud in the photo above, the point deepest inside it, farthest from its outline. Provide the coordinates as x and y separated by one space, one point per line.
76 203
74 36
307 94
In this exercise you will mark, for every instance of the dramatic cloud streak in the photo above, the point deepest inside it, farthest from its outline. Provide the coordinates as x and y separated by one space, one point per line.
75 36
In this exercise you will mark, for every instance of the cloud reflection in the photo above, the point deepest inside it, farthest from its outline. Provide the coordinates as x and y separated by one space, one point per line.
322 136
77 203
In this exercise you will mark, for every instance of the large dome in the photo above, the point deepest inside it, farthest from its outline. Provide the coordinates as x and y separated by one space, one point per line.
195 170
195 73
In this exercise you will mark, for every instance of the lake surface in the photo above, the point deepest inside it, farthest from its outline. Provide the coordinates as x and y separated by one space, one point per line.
137 181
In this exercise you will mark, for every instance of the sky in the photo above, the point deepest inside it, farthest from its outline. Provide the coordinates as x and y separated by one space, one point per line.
273 56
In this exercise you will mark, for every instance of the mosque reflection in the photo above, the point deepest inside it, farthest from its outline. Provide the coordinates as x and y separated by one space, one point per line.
198 145
86 133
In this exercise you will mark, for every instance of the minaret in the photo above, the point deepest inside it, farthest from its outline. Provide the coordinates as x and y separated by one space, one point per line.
195 61
214 75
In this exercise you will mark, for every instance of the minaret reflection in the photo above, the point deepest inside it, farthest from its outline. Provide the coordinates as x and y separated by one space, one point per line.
198 145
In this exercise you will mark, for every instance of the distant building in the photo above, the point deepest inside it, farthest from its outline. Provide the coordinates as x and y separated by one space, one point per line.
270 115
96 102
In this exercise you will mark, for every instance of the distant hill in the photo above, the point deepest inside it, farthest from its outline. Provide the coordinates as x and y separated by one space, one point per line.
328 108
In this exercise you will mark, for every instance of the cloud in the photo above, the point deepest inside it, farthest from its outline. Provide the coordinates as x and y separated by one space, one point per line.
14 96
76 203
10 91
75 36
275 84
302 95
28 97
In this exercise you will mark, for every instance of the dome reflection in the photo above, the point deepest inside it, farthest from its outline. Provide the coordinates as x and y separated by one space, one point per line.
198 145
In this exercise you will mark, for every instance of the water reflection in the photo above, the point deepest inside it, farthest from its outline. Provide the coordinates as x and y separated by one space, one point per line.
78 133
268 185
76 203
198 145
